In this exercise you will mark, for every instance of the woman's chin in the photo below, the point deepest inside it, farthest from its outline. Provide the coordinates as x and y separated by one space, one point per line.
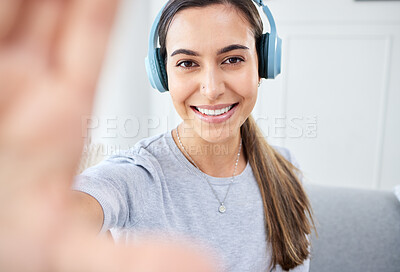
216 134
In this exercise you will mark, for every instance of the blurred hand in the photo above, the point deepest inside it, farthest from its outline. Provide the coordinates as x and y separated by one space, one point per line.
51 53
148 255
50 58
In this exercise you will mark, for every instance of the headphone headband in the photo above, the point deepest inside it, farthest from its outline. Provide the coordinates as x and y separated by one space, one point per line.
152 66
267 12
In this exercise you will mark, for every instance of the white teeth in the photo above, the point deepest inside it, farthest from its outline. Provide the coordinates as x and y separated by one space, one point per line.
214 112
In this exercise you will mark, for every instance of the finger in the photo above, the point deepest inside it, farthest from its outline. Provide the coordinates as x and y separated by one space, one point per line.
37 26
41 23
9 10
28 46
84 40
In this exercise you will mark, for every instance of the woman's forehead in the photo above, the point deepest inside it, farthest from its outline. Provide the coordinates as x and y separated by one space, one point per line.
213 26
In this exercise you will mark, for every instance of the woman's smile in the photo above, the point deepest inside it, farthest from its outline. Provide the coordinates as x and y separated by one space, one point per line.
215 113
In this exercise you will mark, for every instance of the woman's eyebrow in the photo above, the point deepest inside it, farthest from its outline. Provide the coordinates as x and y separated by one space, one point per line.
231 47
185 52
221 51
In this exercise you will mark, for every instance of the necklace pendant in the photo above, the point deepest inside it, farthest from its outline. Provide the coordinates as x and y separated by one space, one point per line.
222 208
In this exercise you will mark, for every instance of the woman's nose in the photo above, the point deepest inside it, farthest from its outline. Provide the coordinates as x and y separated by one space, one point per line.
212 85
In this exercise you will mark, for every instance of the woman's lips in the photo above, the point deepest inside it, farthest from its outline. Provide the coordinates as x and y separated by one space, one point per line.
214 107
218 118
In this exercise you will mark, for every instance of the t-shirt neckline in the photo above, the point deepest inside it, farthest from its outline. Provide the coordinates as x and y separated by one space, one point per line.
213 180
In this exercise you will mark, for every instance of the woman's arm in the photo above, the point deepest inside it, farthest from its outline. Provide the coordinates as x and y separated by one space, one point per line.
86 211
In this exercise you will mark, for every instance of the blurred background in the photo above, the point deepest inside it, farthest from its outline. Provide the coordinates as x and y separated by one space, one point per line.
336 105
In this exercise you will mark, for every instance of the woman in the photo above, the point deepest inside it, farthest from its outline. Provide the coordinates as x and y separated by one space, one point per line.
214 178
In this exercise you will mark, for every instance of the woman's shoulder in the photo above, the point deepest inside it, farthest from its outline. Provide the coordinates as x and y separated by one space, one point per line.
143 157
287 154
149 146
149 151
126 174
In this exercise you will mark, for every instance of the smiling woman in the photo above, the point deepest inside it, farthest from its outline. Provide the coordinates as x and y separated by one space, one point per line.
209 70
242 199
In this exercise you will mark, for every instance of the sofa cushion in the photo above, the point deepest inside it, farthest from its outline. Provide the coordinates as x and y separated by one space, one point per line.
359 230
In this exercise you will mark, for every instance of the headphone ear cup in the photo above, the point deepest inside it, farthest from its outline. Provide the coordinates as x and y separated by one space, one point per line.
279 56
161 64
263 55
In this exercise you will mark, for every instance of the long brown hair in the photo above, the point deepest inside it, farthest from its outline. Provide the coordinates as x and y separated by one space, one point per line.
288 213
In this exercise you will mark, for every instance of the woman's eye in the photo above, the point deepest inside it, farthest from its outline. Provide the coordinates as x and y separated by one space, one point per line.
234 60
186 64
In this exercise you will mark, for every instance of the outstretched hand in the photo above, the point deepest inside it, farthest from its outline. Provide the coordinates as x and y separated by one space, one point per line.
51 53
50 58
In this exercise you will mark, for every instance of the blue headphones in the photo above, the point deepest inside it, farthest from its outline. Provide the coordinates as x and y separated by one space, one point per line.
269 52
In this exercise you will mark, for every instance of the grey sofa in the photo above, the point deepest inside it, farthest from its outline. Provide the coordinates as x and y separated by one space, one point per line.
359 230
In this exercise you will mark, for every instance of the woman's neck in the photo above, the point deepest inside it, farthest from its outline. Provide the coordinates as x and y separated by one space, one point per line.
214 159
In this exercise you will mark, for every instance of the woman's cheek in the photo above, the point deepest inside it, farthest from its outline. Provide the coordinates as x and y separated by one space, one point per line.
179 95
245 84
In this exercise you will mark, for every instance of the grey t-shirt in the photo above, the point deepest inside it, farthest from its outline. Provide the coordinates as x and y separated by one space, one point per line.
152 187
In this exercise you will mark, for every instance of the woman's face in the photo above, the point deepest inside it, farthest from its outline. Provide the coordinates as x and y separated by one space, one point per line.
212 70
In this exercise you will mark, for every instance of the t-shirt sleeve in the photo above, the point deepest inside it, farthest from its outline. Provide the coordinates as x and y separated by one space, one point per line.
285 152
288 155
120 184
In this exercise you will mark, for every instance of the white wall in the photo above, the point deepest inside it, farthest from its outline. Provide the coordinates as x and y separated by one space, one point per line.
122 99
336 104
341 64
